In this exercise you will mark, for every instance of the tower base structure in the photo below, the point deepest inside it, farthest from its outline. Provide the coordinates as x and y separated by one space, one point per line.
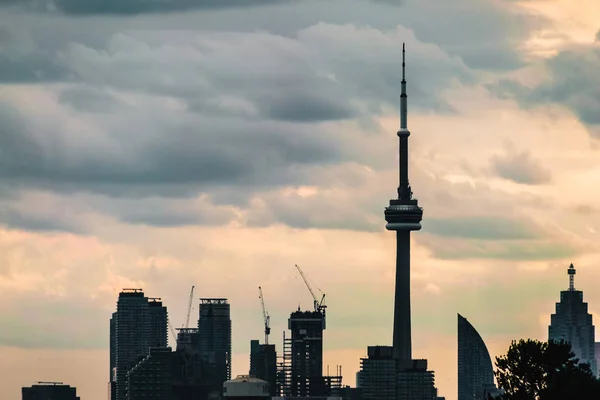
383 377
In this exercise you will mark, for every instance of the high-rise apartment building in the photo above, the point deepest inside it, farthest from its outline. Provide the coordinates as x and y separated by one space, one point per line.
158 323
214 339
377 376
49 391
152 377
475 371
415 382
136 326
263 364
573 323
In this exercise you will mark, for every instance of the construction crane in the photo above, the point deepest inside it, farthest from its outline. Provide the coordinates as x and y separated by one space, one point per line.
189 308
318 305
265 315
172 332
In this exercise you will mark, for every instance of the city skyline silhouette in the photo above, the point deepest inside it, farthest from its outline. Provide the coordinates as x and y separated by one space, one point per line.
161 146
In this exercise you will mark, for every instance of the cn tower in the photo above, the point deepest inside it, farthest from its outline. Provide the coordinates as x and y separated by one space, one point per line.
403 216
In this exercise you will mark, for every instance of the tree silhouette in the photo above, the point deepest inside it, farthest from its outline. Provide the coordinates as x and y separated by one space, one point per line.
534 370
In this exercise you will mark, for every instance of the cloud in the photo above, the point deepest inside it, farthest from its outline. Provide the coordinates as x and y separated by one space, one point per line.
532 250
181 113
571 82
90 99
484 228
520 167
117 157
131 7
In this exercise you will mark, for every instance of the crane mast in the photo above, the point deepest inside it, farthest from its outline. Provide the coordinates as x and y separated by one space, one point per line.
318 305
189 308
266 316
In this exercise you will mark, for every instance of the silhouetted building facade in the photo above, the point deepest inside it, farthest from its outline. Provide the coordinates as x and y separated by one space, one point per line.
572 323
377 376
415 382
307 353
152 377
136 325
190 382
214 340
475 371
49 391
598 358
351 393
158 323
263 364
383 377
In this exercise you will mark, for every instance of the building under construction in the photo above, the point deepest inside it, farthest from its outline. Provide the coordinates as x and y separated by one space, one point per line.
300 370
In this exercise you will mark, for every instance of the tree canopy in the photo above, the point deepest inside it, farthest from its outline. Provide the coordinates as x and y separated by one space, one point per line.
534 370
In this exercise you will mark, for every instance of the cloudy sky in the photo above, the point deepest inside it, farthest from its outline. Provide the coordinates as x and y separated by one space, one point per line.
216 143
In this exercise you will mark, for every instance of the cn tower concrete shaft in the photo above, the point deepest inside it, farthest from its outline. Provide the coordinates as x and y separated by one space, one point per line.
403 215
402 343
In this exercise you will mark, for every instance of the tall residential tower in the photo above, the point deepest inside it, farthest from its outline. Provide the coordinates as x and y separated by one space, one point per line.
403 216
214 339
138 325
475 371
572 323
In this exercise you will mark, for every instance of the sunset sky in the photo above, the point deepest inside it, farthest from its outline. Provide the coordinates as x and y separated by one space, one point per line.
164 144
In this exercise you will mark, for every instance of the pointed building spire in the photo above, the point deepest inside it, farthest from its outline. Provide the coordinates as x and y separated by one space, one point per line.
404 191
571 271
403 96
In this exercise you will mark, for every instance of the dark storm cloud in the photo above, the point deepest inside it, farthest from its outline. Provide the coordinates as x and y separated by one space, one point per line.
164 212
22 61
28 221
306 107
87 99
131 7
573 81
521 168
145 149
483 228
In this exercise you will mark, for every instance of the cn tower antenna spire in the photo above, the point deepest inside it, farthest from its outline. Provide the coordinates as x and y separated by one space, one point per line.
403 96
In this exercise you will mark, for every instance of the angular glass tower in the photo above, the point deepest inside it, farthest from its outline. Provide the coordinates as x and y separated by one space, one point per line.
572 323
475 371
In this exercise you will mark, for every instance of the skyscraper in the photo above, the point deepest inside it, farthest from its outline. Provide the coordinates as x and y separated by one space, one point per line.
475 371
152 377
377 376
136 327
307 353
214 338
403 215
158 322
572 323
